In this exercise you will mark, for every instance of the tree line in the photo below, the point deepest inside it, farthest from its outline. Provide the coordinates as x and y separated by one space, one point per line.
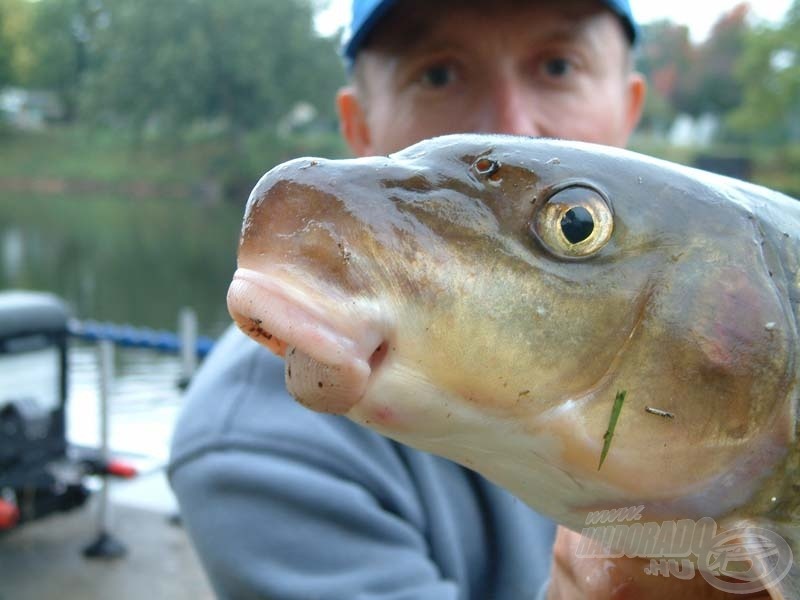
746 74
171 64
244 64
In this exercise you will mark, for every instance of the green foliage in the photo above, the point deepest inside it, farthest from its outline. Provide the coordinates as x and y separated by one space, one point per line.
172 64
770 68
5 50
748 76
693 79
14 35
167 65
58 40
710 84
664 57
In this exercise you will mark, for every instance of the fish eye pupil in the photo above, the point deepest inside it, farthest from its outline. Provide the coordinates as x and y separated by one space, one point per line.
577 224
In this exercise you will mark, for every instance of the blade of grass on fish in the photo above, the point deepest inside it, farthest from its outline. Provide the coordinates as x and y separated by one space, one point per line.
612 423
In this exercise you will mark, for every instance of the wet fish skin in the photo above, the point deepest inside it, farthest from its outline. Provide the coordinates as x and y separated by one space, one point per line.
424 296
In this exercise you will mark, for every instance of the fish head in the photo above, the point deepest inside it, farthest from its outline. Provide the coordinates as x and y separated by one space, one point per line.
488 298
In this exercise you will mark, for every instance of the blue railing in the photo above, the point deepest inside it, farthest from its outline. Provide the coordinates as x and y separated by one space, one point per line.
129 336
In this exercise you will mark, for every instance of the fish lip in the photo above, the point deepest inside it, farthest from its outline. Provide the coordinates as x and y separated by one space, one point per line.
277 311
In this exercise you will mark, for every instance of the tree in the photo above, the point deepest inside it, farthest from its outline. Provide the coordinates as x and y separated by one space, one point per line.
710 84
664 56
5 50
14 55
769 71
244 63
58 40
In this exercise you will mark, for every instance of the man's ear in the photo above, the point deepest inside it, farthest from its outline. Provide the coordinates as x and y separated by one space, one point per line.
353 121
636 92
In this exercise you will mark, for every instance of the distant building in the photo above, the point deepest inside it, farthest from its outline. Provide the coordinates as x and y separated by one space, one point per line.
29 109
693 132
301 116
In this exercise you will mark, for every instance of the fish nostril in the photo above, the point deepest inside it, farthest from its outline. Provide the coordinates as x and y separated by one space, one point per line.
378 356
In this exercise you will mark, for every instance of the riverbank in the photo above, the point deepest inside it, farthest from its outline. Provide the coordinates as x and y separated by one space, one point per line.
208 167
203 166
775 167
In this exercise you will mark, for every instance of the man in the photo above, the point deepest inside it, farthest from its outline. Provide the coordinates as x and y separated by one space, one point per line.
286 503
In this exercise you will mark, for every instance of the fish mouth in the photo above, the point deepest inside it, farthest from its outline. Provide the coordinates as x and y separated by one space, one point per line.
330 349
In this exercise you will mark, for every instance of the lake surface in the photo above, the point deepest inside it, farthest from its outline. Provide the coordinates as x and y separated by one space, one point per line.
122 260
145 401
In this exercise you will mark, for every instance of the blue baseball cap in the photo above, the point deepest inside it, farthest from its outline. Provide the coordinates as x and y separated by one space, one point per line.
366 14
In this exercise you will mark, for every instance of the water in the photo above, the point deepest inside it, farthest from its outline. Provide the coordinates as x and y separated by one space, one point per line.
122 260
144 403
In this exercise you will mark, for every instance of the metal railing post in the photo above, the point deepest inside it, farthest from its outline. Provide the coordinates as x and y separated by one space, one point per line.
187 333
105 545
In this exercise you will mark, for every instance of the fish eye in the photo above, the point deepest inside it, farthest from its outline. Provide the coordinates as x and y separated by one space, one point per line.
486 167
574 223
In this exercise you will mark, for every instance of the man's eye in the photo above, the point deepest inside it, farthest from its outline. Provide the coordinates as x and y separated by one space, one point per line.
557 67
438 76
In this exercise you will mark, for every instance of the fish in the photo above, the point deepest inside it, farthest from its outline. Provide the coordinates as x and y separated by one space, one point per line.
493 299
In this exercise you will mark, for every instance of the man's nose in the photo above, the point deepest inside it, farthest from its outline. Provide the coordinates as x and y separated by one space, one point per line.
511 109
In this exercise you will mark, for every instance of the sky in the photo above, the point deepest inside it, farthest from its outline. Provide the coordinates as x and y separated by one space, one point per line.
699 15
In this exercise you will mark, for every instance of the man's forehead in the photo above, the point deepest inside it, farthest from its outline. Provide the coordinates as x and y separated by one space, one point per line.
412 24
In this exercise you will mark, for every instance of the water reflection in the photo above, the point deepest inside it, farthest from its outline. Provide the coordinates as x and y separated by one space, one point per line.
13 252
122 260
144 403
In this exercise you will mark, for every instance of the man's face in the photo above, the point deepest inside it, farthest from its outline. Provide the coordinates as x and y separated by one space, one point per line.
543 69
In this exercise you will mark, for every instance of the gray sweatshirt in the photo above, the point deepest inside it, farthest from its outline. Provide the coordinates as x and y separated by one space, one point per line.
284 503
